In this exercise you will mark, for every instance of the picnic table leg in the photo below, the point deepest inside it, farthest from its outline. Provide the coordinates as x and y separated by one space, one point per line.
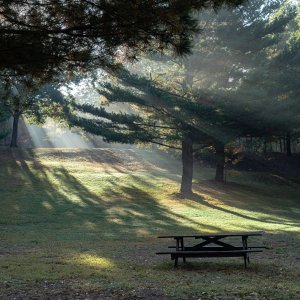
177 249
245 247
248 256
182 249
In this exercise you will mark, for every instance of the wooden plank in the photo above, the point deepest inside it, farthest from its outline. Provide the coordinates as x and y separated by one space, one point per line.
219 234
206 248
187 248
209 252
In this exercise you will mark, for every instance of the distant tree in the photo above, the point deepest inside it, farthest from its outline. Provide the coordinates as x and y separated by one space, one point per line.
24 95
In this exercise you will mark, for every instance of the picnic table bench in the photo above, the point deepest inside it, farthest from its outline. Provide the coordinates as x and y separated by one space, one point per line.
211 245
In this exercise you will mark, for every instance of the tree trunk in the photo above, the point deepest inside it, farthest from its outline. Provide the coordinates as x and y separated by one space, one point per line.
187 166
14 136
220 153
288 144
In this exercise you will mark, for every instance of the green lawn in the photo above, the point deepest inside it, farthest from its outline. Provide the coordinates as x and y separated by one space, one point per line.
83 225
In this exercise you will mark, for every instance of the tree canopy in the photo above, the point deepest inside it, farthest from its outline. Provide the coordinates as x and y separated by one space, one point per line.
38 36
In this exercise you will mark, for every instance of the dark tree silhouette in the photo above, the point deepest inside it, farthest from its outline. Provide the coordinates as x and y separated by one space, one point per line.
38 36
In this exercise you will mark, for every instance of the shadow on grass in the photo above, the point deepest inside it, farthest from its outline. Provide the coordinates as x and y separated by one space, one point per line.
125 206
52 196
279 206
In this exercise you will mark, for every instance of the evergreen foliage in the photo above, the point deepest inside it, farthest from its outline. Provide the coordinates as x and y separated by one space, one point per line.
275 99
38 36
228 88
215 97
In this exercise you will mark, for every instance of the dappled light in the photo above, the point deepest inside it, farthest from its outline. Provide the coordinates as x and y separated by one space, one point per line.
93 261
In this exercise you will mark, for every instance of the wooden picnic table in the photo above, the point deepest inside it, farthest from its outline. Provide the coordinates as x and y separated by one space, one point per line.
212 245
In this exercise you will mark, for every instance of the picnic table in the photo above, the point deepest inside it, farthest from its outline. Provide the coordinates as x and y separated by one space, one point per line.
212 245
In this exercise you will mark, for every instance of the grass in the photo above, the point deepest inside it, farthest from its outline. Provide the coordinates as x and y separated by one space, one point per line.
83 225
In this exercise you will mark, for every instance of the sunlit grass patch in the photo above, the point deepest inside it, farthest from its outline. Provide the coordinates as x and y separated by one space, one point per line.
93 261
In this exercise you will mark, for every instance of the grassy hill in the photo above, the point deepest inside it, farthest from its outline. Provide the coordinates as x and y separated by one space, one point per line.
82 224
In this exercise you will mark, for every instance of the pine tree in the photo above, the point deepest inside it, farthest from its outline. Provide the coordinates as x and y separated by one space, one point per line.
204 101
161 117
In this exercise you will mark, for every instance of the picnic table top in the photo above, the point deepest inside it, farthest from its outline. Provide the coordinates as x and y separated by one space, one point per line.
218 234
